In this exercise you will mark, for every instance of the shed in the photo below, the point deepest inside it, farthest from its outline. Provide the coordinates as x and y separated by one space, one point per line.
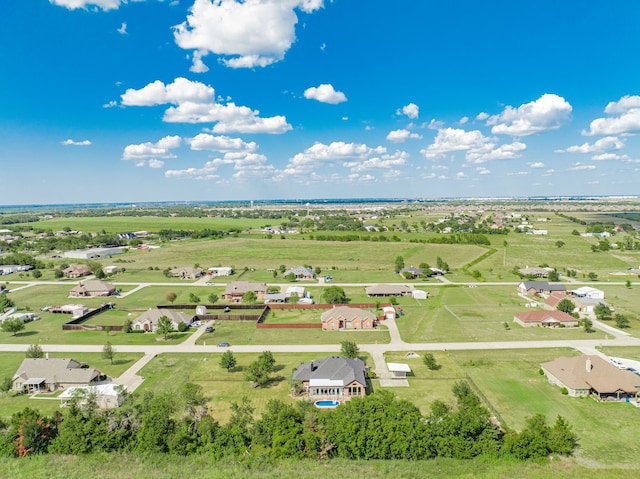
398 370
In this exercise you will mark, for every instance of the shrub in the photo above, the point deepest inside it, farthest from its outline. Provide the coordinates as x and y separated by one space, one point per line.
564 391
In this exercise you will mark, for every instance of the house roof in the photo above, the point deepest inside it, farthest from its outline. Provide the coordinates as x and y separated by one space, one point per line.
534 271
388 289
592 372
92 286
554 298
347 313
55 370
332 371
543 286
186 271
412 270
542 316
77 269
299 271
153 315
241 287
584 290
398 367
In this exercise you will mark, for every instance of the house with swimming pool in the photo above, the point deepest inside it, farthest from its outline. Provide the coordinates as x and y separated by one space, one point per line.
333 378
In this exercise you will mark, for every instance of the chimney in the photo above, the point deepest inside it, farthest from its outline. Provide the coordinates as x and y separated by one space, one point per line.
588 365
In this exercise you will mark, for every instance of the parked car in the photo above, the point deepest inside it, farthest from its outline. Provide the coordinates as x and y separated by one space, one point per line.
223 344
209 329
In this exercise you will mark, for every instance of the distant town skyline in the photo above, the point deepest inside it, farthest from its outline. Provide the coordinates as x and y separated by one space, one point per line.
215 100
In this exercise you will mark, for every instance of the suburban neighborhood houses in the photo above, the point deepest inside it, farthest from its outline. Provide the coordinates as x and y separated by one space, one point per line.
348 330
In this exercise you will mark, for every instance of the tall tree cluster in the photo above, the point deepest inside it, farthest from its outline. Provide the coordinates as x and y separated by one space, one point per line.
378 426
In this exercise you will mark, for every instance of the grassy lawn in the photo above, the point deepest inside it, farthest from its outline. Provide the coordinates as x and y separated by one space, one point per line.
222 388
9 363
245 332
456 313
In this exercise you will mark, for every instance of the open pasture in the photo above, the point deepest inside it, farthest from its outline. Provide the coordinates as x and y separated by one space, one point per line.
456 313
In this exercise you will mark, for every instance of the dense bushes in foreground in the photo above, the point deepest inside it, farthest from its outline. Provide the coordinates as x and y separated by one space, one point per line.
378 426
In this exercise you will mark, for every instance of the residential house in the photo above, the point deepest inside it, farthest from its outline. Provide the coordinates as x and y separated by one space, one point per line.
105 395
591 375
334 377
271 298
535 272
300 273
93 253
220 271
540 287
148 321
588 292
419 294
92 288
378 290
585 304
110 269
49 374
345 317
411 272
236 290
186 273
77 271
545 319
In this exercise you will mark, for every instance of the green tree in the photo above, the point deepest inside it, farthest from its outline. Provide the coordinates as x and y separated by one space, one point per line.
228 360
249 297
12 325
213 298
602 312
566 306
399 264
621 320
592 276
257 374
560 243
554 275
127 326
5 302
164 326
349 349
334 295
34 351
430 362
6 384
587 325
108 352
57 273
36 273
628 284
193 298
171 296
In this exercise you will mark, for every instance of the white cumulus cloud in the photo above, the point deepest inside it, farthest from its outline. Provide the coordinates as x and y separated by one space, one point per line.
454 139
411 110
71 142
398 136
194 102
205 141
536 164
74 4
247 34
160 149
123 29
608 143
626 122
325 93
581 167
548 112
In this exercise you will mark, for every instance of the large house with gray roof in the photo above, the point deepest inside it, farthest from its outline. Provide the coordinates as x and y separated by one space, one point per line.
333 377
388 290
49 374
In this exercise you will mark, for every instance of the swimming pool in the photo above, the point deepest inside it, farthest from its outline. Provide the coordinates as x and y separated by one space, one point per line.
327 403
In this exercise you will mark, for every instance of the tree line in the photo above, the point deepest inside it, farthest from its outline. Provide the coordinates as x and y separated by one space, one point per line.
378 426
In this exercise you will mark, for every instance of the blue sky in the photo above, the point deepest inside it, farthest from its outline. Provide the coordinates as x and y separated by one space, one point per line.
150 100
